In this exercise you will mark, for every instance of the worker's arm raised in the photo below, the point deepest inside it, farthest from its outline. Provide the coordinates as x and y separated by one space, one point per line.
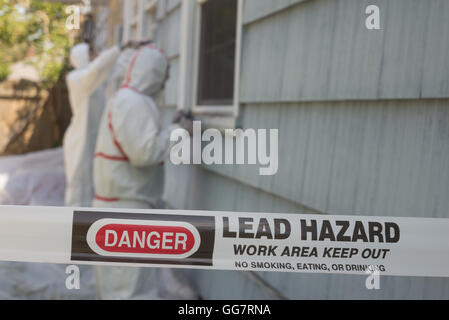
99 69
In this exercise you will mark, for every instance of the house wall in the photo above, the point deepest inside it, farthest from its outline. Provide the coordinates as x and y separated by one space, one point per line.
363 119
168 38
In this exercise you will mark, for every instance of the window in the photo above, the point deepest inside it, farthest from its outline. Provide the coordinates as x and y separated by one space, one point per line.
210 59
216 58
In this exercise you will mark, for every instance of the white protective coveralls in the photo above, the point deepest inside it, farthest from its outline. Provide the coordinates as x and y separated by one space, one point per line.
128 172
131 145
87 102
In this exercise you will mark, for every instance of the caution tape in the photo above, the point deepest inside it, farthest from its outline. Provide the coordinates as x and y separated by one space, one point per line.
226 240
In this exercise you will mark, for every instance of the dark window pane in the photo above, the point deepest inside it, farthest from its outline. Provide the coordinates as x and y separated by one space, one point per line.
217 52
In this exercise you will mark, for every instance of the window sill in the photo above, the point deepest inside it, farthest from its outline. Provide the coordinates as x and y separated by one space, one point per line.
217 117
219 122
224 110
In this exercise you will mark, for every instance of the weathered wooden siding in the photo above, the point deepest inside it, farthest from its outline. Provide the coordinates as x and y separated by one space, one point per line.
351 152
321 50
363 118
316 286
356 157
168 38
197 188
257 9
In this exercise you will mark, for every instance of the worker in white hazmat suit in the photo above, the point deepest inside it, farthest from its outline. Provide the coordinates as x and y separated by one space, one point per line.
129 173
87 102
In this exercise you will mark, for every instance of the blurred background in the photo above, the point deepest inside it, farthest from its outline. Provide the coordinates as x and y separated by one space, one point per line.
363 115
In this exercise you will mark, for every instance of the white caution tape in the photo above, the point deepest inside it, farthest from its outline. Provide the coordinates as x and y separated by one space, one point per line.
226 240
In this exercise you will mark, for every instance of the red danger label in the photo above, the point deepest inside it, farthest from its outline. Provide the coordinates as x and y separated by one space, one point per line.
143 238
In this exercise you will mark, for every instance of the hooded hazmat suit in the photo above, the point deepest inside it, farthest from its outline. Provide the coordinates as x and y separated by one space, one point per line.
87 101
131 145
128 172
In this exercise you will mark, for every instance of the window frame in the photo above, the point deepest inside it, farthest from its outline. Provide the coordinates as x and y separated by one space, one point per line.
190 54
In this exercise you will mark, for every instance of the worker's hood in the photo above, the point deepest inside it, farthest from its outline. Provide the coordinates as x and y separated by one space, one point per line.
79 56
148 71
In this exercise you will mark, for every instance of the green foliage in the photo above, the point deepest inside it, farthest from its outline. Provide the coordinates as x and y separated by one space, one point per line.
34 30
4 71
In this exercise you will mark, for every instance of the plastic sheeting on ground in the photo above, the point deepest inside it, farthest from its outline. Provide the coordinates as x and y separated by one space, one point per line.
37 179
33 179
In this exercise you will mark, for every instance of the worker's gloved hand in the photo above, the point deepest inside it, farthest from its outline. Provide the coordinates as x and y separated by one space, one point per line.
145 42
187 124
130 45
189 115
179 115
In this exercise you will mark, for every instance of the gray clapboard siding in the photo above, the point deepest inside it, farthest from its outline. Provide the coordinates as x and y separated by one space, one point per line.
320 286
171 4
161 9
257 9
168 36
195 188
164 7
387 158
171 87
168 39
321 50
217 285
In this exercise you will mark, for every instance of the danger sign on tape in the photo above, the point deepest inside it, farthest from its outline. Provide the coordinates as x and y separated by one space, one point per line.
226 240
169 239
